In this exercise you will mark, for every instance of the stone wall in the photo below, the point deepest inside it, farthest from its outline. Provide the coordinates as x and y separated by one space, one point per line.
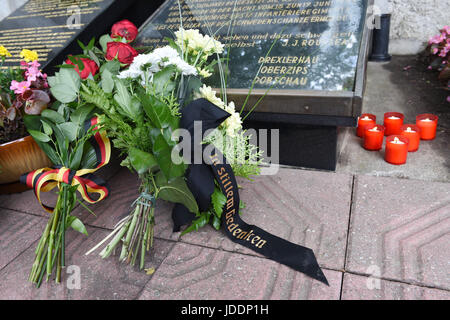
413 22
8 6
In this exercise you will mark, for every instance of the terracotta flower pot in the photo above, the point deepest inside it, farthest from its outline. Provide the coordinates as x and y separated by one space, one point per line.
18 157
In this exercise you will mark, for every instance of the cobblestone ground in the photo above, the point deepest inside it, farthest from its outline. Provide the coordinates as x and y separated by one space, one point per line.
375 238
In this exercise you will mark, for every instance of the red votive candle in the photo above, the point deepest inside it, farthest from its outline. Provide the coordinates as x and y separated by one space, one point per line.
396 150
412 132
373 137
363 121
427 124
393 122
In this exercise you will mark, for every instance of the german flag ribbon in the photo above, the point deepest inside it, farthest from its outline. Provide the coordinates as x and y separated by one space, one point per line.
46 179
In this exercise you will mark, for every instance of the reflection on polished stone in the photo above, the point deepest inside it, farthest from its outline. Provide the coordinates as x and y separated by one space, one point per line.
317 47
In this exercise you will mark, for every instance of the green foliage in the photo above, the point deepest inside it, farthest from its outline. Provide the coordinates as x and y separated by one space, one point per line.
65 85
60 135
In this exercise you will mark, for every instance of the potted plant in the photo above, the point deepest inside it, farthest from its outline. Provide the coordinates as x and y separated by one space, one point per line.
23 90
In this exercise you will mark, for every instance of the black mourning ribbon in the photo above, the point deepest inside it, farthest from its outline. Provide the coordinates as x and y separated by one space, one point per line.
200 180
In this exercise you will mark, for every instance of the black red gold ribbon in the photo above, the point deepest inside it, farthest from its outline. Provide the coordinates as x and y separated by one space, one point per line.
200 179
46 179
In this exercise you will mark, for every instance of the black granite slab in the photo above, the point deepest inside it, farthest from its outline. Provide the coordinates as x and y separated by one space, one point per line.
52 27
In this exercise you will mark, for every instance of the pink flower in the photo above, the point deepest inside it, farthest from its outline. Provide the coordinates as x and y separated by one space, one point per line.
437 39
448 99
446 29
32 71
444 52
20 87
435 50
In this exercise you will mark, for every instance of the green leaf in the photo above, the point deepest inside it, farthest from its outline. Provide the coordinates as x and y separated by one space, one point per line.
76 224
80 115
216 222
47 128
123 98
141 161
76 157
113 66
63 93
104 40
33 122
70 130
89 159
39 136
65 85
177 191
197 223
156 110
163 153
52 115
162 82
218 200
107 81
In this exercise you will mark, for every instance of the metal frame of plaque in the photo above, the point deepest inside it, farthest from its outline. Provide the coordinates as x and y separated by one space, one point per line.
311 107
307 118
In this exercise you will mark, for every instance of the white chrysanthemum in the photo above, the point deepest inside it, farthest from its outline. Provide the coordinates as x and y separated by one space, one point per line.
145 65
165 52
129 73
234 123
194 41
184 67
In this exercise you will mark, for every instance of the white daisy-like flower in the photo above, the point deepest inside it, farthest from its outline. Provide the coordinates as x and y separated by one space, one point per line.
184 67
144 66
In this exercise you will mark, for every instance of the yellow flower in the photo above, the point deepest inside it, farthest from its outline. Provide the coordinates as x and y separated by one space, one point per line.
207 93
205 73
29 55
4 52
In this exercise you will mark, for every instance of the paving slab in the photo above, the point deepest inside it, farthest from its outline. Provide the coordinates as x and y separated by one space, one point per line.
26 202
198 273
99 279
18 231
357 287
309 208
403 228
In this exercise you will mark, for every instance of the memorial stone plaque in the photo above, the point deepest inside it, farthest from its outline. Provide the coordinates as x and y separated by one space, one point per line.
51 27
311 69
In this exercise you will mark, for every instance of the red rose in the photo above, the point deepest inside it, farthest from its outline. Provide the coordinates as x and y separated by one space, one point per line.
89 67
122 51
124 29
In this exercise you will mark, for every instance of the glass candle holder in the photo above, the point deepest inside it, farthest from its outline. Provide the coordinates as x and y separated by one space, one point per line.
412 132
363 121
396 150
373 137
427 124
393 122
